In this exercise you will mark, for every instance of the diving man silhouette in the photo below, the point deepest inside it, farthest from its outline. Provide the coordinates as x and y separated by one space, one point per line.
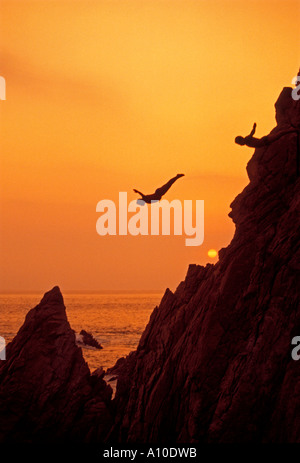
253 142
159 192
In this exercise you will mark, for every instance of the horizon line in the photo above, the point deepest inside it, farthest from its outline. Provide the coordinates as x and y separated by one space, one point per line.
85 291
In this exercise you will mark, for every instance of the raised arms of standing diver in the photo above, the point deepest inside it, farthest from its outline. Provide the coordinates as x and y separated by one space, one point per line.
254 142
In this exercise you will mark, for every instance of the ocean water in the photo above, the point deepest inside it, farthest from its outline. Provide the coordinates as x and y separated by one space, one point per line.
116 320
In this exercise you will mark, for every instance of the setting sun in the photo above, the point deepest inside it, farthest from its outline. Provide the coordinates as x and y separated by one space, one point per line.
212 253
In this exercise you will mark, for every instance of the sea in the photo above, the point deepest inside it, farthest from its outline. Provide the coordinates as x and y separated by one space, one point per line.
116 320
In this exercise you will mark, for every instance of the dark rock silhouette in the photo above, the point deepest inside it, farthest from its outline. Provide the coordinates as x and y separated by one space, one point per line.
214 363
122 368
87 339
46 391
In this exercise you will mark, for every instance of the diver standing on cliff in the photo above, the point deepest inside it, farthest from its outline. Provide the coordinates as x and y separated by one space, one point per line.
254 142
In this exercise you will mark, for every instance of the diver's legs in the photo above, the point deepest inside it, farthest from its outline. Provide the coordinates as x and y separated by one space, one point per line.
162 190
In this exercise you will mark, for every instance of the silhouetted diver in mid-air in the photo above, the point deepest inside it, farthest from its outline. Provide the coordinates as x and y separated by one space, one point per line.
253 142
159 192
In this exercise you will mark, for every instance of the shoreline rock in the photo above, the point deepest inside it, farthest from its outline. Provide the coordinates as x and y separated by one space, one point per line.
84 339
47 393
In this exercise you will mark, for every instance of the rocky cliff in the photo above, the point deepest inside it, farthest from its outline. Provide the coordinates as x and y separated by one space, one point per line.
214 363
46 391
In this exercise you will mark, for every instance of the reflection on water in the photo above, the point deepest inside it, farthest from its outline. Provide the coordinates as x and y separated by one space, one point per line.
116 320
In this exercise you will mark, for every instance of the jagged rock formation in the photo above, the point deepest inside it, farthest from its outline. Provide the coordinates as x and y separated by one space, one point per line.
214 363
85 339
46 391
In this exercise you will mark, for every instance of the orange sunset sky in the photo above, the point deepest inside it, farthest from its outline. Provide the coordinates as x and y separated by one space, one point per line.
106 96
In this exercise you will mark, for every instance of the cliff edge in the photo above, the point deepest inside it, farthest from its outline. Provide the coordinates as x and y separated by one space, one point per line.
214 363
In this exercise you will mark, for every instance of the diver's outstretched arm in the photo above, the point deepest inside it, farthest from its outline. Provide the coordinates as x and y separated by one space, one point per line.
253 130
163 189
249 140
137 191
